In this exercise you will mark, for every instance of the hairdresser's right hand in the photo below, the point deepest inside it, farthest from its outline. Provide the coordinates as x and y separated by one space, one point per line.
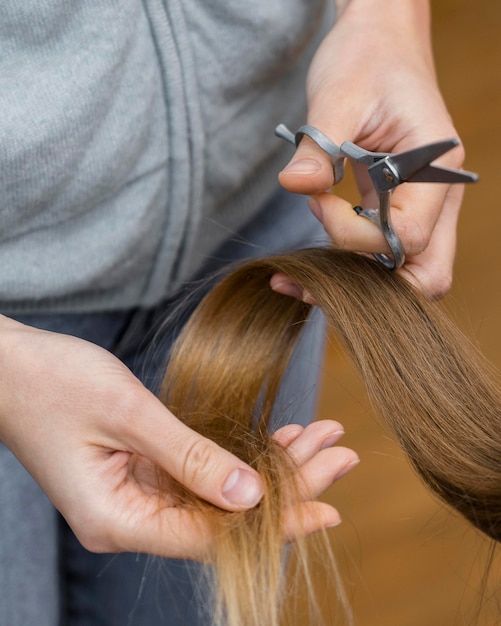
372 81
76 418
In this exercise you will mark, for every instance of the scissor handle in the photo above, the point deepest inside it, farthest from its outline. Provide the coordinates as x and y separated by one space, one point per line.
338 155
323 142
381 218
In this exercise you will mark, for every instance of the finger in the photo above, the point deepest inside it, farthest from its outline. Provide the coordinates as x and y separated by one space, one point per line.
307 518
147 428
315 437
180 534
417 207
309 171
287 434
347 230
281 283
328 465
414 214
189 537
137 522
431 271
415 211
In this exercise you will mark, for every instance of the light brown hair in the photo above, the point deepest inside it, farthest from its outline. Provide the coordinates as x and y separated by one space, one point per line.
429 382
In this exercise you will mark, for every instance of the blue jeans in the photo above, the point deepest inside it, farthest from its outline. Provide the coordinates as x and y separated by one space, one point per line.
46 577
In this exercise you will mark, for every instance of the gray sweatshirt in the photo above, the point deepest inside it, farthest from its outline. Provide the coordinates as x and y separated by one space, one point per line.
135 136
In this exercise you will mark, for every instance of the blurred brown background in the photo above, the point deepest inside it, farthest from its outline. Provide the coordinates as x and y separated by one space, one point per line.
405 559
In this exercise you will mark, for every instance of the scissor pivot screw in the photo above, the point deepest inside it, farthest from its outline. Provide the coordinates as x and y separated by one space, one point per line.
388 175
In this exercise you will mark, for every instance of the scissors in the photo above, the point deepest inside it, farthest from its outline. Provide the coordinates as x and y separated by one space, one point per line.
387 171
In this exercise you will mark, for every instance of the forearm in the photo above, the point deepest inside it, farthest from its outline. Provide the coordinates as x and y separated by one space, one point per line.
11 334
418 7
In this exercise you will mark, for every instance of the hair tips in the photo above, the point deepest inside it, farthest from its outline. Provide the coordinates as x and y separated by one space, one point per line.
429 383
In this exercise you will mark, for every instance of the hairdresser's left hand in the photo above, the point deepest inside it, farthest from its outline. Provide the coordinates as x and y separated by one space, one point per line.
373 82
94 438
320 462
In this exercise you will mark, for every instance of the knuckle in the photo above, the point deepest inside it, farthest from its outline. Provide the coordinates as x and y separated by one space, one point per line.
435 286
198 461
440 286
338 234
414 239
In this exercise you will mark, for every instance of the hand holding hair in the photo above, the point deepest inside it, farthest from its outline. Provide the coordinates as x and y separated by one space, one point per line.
91 435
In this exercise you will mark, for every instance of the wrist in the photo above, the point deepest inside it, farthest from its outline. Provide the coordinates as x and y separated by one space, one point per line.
402 27
9 349
19 362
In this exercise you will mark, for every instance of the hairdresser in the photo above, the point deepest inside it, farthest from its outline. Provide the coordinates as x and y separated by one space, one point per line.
136 156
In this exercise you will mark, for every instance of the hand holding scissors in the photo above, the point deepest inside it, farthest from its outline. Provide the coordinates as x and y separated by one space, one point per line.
386 171
373 82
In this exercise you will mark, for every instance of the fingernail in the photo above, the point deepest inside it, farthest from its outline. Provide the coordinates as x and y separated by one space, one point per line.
289 289
347 468
332 439
303 166
334 524
315 208
308 298
242 488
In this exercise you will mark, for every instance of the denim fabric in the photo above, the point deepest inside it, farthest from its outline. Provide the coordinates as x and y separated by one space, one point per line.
46 577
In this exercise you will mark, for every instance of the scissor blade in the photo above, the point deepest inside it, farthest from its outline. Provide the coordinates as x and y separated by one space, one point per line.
409 163
436 174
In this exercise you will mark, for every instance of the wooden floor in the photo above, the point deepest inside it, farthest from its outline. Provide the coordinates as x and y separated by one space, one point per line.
405 560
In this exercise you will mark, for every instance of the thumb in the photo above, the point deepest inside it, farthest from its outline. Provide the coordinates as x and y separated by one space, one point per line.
198 463
309 171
